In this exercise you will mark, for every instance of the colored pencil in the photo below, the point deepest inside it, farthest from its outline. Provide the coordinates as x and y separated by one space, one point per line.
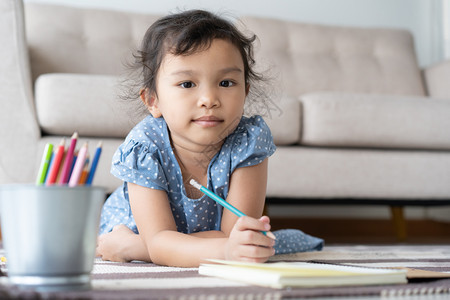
79 165
85 172
56 164
50 164
74 161
95 160
224 203
64 178
43 168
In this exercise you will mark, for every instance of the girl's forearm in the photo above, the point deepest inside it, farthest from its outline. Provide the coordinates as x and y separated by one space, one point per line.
209 234
173 248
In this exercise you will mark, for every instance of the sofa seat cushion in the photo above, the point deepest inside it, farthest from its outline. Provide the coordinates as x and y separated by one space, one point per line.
376 121
332 173
88 104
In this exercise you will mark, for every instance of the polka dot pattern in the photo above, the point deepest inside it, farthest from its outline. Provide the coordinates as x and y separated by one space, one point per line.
293 240
147 159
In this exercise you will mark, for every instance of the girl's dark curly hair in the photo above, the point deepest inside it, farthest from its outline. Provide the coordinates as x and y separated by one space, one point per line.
186 33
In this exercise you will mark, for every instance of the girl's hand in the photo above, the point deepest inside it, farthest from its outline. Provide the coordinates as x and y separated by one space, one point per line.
247 242
121 245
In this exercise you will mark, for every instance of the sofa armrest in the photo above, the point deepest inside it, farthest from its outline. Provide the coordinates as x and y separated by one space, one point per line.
437 79
19 128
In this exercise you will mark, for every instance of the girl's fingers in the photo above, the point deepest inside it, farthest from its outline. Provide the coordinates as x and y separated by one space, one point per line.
251 252
261 225
249 223
265 219
257 238
249 233
247 241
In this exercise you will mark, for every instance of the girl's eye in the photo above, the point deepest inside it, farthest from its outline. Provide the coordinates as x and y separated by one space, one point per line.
226 83
187 84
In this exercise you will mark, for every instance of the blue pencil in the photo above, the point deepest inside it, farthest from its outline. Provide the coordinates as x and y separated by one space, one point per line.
224 203
97 154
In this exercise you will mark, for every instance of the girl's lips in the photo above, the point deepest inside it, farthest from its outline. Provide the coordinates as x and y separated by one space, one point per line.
208 121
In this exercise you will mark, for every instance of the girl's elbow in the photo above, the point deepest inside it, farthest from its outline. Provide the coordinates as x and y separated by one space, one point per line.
161 249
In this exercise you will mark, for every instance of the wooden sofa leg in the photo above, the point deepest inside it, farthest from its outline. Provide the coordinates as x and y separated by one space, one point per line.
399 222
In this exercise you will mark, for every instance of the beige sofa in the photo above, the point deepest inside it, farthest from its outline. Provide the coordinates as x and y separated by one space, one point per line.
355 118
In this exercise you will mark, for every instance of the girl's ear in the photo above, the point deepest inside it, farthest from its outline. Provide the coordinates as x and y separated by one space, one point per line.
247 89
151 102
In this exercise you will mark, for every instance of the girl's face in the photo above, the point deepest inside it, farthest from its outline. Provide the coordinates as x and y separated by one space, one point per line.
201 96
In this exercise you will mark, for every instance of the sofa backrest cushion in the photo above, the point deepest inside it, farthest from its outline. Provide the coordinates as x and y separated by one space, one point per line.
310 57
65 39
92 106
375 121
285 121
88 104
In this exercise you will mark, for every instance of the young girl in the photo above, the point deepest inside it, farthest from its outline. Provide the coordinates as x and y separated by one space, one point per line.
197 72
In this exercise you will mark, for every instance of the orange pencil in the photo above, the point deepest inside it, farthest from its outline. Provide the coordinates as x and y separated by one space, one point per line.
59 154
85 172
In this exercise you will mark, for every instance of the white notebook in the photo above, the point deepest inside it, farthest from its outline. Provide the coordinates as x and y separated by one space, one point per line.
301 274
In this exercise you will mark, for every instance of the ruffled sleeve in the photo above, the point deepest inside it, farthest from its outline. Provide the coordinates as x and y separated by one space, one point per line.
251 143
139 162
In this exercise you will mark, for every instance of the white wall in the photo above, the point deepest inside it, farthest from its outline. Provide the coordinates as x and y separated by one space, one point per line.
446 21
422 17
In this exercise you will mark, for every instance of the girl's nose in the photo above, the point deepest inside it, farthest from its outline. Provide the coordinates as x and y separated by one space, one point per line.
209 99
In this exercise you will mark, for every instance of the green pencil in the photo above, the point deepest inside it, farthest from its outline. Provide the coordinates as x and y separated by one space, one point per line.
44 164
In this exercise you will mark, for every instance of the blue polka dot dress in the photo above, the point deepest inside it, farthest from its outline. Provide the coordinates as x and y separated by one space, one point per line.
146 158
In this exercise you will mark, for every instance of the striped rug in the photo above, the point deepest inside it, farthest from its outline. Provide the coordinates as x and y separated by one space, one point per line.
139 280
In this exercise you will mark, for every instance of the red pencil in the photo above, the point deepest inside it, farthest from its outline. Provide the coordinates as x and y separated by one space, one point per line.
59 154
68 160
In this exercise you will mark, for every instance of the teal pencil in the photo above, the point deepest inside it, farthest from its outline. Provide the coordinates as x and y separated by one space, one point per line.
224 203
43 168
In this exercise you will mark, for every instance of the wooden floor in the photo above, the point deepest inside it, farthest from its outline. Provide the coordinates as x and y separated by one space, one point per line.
366 231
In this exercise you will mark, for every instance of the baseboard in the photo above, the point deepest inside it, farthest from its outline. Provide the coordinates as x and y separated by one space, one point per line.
366 230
